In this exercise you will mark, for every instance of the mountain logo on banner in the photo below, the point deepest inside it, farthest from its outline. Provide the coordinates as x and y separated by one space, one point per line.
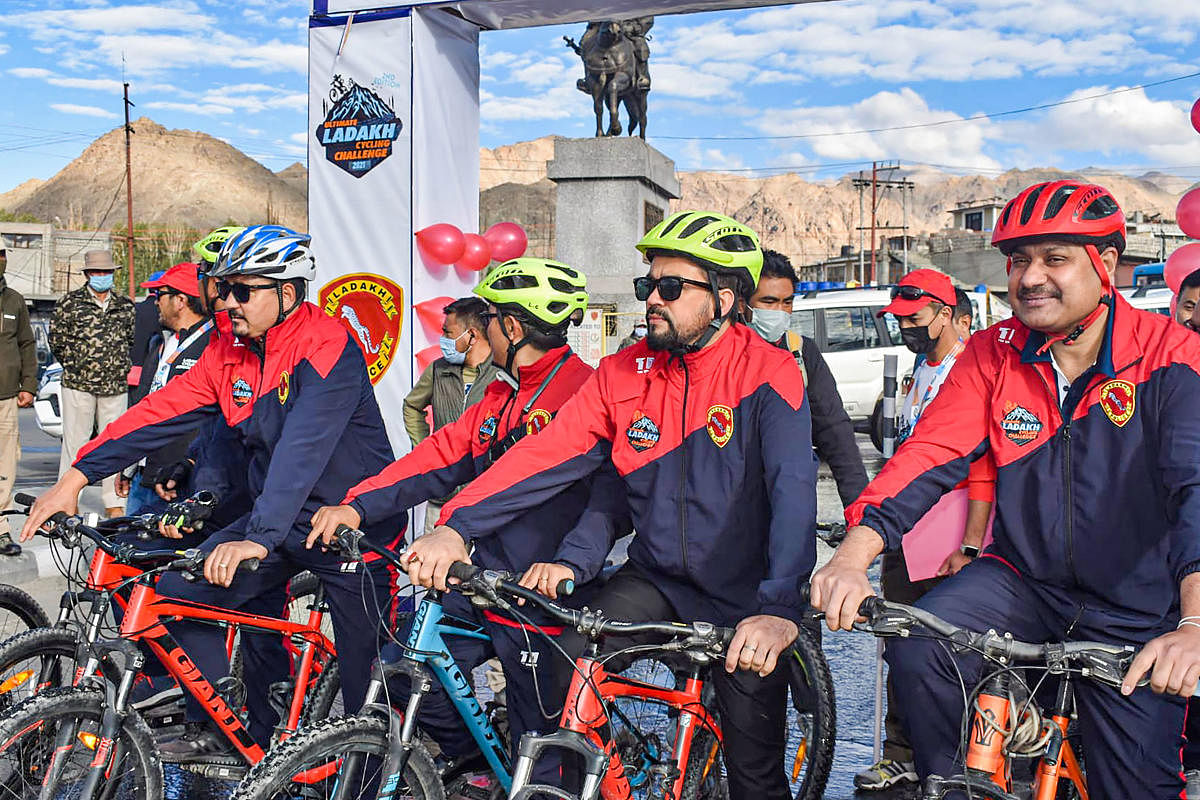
371 308
359 127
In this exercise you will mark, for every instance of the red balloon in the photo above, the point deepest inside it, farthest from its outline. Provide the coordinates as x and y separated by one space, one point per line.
431 315
1187 214
441 243
477 254
427 356
1180 264
507 239
1196 115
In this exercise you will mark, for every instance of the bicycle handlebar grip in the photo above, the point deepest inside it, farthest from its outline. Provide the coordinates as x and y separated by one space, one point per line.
461 571
806 593
565 588
869 606
248 565
24 499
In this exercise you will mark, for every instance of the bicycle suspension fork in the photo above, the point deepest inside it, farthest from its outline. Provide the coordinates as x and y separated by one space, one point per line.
989 731
1059 761
108 751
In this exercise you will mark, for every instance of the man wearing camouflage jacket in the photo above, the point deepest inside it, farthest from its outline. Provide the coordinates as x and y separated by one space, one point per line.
91 333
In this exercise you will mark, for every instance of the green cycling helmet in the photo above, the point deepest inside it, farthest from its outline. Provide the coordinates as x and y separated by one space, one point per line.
547 291
209 247
713 241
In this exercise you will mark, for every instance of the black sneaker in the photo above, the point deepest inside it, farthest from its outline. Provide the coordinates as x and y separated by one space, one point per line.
198 743
8 547
149 692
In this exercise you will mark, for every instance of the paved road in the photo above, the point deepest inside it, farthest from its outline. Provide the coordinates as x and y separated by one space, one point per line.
851 656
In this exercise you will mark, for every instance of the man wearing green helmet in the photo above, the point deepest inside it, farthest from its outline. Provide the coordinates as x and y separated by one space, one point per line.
708 427
531 303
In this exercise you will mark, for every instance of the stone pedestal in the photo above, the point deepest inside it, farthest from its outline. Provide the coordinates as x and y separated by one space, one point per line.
610 192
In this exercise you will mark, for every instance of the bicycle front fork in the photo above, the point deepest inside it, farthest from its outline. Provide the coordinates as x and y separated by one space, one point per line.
595 762
107 746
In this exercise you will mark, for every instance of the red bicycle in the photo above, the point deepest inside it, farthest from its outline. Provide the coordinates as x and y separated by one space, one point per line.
89 741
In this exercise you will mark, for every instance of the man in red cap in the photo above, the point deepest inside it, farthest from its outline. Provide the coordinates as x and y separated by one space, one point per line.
177 295
923 304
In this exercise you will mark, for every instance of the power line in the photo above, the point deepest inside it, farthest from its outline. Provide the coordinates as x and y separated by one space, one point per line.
917 125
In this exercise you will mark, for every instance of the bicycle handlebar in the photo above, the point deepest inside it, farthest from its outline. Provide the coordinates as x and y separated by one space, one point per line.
1100 661
700 636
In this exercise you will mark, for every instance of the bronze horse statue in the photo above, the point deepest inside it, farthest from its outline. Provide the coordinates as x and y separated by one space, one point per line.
611 69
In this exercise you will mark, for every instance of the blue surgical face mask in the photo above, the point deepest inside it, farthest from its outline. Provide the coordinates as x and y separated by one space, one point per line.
102 282
770 323
450 351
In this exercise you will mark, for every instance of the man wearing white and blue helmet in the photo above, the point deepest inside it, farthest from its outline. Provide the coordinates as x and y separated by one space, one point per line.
292 386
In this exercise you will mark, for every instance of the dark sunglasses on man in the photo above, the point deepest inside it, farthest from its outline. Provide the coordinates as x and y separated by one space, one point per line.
240 291
670 287
915 293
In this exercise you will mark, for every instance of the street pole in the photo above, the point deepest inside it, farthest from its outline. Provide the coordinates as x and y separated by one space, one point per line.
874 201
904 230
128 197
861 251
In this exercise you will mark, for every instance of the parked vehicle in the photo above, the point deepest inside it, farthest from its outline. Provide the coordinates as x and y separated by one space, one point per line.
1150 297
47 405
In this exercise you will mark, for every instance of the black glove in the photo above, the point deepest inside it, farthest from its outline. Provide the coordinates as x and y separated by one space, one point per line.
179 472
190 514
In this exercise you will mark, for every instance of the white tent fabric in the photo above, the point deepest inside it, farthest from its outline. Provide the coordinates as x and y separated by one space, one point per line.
507 14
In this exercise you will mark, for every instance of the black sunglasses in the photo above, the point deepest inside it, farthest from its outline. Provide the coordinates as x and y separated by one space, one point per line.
240 291
915 293
486 317
669 286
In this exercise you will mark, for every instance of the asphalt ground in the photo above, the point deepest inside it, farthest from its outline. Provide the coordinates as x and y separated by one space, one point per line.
851 655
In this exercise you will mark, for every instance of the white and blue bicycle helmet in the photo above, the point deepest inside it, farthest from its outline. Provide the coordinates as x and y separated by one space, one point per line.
272 251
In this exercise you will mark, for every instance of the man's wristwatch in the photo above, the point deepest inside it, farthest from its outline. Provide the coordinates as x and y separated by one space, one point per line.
969 550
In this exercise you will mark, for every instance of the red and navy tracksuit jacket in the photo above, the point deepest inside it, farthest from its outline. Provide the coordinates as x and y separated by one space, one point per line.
302 395
460 452
715 452
1100 496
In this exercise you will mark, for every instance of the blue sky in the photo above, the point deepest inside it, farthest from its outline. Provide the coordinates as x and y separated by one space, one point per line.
765 90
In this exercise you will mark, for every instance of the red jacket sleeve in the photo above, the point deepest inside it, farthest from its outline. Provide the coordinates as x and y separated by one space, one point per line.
438 465
981 479
575 444
936 457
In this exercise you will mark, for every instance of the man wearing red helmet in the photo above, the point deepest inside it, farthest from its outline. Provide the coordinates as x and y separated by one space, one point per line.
1087 407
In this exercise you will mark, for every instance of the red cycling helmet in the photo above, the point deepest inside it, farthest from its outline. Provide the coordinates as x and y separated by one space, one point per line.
1082 213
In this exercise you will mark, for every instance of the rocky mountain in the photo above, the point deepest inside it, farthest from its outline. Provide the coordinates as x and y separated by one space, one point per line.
179 177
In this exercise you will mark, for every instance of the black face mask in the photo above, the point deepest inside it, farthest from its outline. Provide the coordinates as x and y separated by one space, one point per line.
918 340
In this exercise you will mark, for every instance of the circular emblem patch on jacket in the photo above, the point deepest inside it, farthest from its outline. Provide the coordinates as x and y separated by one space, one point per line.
1117 399
720 424
642 433
242 393
488 429
285 386
1019 424
371 308
537 419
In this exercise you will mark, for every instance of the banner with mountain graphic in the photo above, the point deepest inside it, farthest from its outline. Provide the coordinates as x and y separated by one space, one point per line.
360 195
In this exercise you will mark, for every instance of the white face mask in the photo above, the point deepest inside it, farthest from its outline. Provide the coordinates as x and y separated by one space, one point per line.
770 323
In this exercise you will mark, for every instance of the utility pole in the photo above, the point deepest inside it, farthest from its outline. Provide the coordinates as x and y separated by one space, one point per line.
879 187
128 196
861 252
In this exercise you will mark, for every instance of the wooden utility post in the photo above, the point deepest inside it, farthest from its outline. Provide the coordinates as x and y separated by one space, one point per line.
128 198
879 186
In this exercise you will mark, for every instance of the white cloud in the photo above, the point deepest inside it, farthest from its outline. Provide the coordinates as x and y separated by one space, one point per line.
961 144
544 72
115 19
685 81
697 157
559 102
87 111
30 72
203 109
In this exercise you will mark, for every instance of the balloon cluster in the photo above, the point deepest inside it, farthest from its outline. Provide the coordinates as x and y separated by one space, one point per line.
1186 259
445 244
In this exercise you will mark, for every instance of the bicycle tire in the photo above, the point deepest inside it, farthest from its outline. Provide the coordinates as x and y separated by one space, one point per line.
318 745
17 657
19 612
700 781
324 699
537 791
28 726
812 717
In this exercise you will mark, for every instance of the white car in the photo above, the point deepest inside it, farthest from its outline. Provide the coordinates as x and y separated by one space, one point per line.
47 406
854 341
1150 298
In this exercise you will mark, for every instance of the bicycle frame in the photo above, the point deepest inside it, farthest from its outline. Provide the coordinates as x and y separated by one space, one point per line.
585 721
425 648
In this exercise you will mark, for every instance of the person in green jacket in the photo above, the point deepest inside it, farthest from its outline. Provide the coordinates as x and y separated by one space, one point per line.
18 382
454 382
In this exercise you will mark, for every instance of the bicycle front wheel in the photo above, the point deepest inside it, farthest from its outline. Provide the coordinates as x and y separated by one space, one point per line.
345 755
43 658
812 724
52 738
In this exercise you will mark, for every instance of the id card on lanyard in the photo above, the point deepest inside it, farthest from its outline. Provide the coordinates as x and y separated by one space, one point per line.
164 365
934 385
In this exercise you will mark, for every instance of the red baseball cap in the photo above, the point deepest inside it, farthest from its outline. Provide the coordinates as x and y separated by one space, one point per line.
181 277
930 285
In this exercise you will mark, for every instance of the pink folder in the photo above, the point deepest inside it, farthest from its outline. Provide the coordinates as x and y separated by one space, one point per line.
938 534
